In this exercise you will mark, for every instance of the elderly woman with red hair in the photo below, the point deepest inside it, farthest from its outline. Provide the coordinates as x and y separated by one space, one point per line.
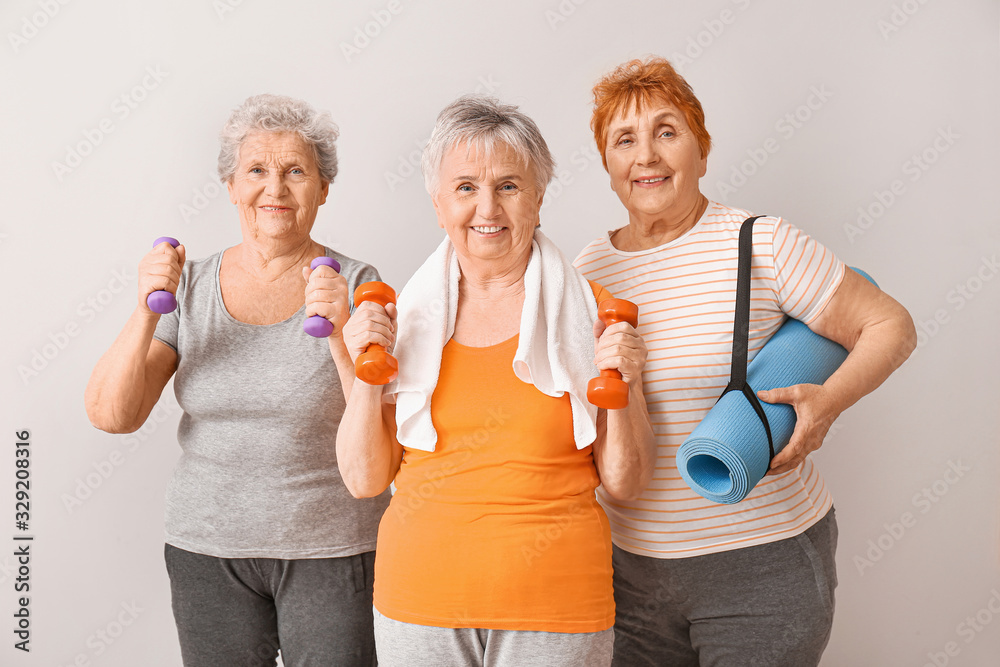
697 582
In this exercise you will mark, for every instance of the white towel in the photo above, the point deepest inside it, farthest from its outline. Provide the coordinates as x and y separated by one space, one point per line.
555 350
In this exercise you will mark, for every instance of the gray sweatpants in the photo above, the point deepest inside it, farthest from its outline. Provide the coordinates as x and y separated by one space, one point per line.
237 612
770 604
409 645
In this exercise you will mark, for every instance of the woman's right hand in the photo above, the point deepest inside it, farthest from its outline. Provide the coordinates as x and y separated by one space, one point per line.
160 269
371 324
620 347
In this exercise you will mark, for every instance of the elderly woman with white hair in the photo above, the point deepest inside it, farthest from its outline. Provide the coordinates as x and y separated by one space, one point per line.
265 548
493 550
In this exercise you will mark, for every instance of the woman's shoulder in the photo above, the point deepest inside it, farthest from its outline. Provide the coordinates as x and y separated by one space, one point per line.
721 214
594 251
603 241
199 269
354 270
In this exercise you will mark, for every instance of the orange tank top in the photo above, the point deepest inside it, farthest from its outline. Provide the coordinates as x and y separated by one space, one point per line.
498 527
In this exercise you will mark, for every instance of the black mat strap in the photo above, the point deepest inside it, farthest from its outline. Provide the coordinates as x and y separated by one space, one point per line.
741 329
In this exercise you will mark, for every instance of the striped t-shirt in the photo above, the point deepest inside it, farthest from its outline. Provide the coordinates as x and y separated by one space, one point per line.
686 292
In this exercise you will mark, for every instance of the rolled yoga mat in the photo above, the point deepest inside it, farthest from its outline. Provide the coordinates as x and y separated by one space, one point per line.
727 453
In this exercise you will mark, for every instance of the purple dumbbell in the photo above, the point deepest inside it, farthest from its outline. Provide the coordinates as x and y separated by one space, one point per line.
162 301
318 326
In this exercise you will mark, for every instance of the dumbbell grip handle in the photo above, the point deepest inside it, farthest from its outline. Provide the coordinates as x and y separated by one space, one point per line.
318 326
375 365
609 391
162 301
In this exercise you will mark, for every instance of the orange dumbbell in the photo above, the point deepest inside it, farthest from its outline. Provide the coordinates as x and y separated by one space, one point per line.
375 365
609 391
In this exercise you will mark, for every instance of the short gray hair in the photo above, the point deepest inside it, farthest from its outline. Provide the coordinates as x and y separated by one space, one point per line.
485 122
277 113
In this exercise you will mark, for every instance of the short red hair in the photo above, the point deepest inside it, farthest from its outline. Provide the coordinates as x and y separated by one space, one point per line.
637 84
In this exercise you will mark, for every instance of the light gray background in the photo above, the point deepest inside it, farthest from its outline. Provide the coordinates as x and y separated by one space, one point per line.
895 76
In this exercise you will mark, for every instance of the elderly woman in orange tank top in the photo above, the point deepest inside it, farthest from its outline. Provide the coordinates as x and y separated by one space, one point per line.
494 549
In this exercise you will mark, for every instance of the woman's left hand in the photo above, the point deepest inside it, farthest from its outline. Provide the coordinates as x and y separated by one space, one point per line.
327 296
620 347
815 412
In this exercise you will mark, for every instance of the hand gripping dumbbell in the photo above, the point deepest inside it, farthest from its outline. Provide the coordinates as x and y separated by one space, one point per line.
609 391
317 325
375 365
162 301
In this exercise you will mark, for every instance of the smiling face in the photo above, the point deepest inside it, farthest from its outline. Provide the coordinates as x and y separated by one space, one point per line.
488 205
654 162
277 187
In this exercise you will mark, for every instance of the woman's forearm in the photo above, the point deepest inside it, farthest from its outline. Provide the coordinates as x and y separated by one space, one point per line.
878 334
367 451
342 359
626 459
128 379
880 349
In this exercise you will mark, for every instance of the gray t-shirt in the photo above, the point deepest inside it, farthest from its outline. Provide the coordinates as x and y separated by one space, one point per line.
258 475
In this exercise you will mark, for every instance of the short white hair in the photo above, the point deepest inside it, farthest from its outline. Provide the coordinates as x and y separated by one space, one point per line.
277 113
485 122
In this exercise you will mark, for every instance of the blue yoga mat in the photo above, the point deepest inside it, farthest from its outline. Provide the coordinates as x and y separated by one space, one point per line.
727 454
